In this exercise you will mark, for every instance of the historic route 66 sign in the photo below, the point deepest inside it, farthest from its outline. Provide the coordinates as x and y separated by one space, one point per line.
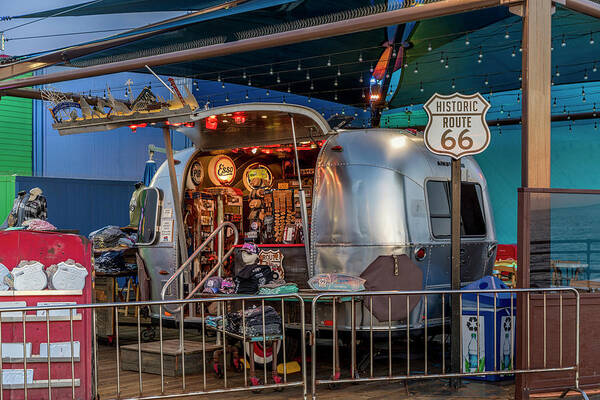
457 125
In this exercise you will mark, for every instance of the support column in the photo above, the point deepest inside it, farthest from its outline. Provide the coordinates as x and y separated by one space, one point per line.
535 149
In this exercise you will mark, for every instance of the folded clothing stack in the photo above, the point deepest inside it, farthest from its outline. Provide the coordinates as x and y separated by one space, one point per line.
251 277
253 320
110 237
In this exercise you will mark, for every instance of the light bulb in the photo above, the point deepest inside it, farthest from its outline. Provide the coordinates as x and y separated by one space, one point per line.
335 82
594 68
591 38
360 57
446 65
222 85
219 78
557 73
278 78
268 93
339 73
371 69
416 71
335 96
246 95
289 90
271 70
329 61
429 48
421 87
564 42
312 86
299 68
514 52
308 99
453 84
467 41
360 79
227 98
307 75
442 57
506 35
244 74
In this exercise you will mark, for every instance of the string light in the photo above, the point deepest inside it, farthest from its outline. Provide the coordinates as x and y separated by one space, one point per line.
564 109
278 78
360 78
307 75
268 93
360 57
442 57
335 96
393 51
339 73
585 74
299 68
486 82
591 38
453 84
249 81
363 94
429 48
514 52
371 68
557 73
467 41
421 87
223 85
446 64
308 99
246 95
501 109
506 35
227 98
594 68
271 70
416 71
518 97
312 85
583 94
244 74
289 89
564 42
335 82
218 77
329 61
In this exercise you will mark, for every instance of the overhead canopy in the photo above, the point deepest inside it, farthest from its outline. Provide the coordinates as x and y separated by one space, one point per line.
469 52
254 124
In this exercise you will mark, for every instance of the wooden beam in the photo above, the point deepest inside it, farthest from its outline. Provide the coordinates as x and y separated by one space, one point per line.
359 24
537 25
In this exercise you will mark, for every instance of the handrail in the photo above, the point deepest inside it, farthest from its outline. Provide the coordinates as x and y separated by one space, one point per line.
191 258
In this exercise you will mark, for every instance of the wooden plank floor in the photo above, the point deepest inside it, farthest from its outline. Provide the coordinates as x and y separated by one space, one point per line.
129 382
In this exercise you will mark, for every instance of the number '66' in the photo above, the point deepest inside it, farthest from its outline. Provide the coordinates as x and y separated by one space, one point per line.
464 141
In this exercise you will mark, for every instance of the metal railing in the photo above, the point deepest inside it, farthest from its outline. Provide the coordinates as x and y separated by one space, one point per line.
195 254
430 369
254 328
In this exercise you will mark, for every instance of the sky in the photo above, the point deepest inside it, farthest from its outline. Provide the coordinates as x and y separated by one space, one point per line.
20 41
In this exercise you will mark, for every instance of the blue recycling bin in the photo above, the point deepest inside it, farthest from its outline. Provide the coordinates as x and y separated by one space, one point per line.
482 334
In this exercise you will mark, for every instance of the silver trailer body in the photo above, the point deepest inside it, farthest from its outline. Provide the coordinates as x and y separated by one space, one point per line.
369 199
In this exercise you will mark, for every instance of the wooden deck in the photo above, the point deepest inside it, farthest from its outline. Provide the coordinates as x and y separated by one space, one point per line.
151 385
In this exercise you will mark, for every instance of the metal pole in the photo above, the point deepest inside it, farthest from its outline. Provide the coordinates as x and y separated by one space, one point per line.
178 213
455 358
302 198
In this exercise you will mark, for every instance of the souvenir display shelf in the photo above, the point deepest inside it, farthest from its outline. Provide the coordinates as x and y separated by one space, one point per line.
48 248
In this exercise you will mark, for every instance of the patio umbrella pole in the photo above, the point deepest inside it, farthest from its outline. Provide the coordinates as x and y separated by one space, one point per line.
178 214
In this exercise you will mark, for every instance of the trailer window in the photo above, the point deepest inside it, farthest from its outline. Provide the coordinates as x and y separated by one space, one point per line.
149 200
471 209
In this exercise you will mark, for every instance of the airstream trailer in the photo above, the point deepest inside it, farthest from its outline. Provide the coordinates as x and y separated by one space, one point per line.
368 193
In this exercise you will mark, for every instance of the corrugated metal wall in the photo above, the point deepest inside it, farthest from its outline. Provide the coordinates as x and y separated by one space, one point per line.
82 204
7 195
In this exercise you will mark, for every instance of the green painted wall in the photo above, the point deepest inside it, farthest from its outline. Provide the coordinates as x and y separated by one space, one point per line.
15 136
7 195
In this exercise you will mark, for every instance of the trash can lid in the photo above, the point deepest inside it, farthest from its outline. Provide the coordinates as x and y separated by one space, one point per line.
486 300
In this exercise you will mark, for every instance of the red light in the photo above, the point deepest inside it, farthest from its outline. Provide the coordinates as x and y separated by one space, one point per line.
420 254
212 122
189 124
173 123
134 127
239 117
